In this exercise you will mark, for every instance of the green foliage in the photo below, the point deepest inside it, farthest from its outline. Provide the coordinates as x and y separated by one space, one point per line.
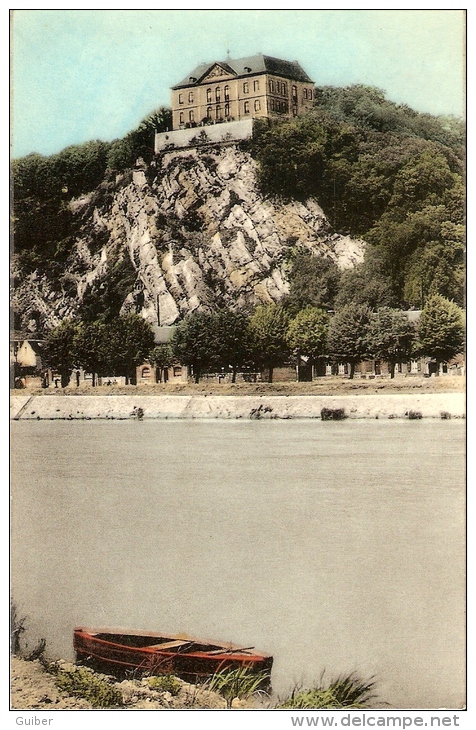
161 356
313 281
60 349
232 339
307 333
348 335
441 329
240 683
345 692
268 327
166 683
131 340
104 298
194 342
380 171
391 336
84 684
366 284
140 141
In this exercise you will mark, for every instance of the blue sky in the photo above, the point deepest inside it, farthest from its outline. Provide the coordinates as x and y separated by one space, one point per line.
79 75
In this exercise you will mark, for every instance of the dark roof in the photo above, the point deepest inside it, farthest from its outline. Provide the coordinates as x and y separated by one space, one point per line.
162 334
258 64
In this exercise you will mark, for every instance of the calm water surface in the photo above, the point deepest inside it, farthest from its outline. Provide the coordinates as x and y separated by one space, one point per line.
332 546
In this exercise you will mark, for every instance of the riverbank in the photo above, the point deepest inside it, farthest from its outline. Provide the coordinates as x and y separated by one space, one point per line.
331 407
34 688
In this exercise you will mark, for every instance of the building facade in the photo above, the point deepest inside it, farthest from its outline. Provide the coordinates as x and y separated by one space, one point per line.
246 88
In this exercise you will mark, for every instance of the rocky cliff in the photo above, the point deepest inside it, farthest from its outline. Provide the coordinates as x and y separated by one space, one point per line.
191 231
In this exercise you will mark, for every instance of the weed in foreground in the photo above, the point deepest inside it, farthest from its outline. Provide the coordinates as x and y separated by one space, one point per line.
239 683
344 692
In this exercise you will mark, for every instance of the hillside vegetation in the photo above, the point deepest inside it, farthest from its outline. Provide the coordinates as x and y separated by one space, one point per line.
381 172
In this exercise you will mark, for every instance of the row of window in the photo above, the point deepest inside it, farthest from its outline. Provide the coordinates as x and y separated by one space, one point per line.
217 94
217 111
275 87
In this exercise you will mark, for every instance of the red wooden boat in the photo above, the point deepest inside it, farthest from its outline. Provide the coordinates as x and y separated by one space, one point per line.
119 651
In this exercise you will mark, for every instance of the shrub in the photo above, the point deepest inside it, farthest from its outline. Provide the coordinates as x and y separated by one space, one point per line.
165 683
333 414
86 685
445 415
344 692
414 415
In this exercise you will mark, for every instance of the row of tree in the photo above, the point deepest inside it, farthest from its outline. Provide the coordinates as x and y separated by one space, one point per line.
229 341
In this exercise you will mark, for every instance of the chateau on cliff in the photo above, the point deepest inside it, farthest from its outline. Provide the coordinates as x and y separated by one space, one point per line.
257 86
231 94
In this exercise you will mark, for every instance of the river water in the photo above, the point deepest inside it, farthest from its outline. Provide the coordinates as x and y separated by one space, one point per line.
334 546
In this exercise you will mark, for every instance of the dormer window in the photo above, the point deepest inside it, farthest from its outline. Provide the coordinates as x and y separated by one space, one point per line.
192 79
247 69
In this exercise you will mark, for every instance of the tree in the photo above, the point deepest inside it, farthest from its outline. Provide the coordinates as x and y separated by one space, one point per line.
161 357
94 350
441 329
391 336
268 328
132 340
307 334
60 349
347 339
194 343
232 340
313 281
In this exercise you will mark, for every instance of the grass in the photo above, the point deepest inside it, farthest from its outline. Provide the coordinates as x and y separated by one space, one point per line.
344 692
240 683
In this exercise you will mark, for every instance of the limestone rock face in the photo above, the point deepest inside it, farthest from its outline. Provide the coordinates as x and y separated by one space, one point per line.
195 232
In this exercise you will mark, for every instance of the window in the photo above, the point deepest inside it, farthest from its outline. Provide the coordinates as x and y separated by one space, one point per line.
209 112
271 86
305 93
309 94
180 98
227 110
209 95
145 374
177 371
227 92
218 93
256 85
246 88
190 97
294 111
294 92
284 88
218 112
247 107
191 115
272 105
181 118
257 105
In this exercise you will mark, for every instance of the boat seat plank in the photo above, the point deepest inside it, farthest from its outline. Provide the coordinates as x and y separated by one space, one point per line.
169 645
